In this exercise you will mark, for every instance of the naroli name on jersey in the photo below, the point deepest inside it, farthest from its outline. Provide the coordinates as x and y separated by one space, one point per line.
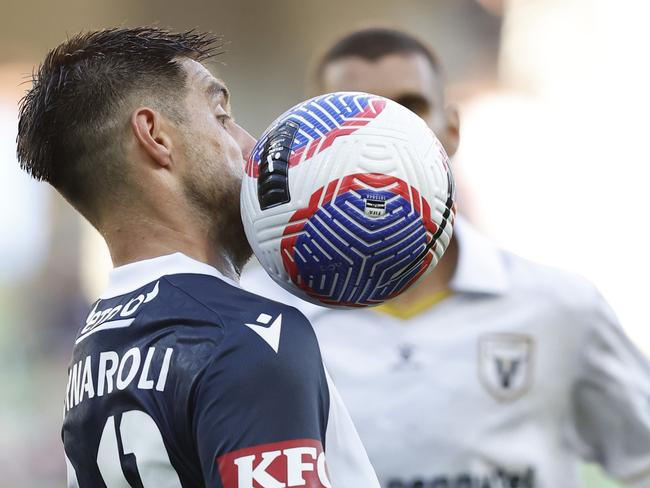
99 375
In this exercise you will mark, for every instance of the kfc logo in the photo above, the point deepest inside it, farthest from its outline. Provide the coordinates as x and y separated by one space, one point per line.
297 463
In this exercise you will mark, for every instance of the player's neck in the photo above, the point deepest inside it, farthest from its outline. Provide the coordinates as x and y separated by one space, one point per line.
135 240
435 282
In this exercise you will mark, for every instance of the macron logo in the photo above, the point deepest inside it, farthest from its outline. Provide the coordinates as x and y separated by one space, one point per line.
270 333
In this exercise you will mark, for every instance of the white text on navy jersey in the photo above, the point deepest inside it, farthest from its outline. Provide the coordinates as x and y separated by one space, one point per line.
115 372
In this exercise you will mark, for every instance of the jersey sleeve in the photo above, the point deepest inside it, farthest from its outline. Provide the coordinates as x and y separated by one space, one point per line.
611 400
260 415
347 460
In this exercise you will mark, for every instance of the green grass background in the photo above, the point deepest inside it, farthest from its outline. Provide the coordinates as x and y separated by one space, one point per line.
593 477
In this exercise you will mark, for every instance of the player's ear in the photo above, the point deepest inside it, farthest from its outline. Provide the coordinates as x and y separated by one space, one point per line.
150 132
452 131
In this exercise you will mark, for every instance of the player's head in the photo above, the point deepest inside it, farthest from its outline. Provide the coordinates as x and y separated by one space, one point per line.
124 119
396 65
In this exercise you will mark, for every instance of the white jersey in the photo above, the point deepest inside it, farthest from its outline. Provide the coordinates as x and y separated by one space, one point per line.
518 375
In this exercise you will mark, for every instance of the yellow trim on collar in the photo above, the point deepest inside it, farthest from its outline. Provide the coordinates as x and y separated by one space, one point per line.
406 312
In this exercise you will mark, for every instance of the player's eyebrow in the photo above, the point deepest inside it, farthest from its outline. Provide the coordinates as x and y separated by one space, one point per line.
216 89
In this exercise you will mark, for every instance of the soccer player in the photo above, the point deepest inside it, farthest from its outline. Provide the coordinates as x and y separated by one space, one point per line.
494 371
178 377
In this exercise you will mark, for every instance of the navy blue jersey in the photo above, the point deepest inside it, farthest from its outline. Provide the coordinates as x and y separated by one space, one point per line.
181 379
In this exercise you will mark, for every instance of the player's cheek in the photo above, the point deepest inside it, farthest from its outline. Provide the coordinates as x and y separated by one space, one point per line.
235 154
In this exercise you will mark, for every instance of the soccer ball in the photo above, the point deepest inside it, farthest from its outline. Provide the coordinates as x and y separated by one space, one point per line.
348 199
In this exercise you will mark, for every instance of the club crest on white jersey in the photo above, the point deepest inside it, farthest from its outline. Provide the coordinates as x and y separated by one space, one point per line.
505 365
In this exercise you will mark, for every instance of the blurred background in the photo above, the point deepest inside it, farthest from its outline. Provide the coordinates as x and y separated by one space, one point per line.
554 161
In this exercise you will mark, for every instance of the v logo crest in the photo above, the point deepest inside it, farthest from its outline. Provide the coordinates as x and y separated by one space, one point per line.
507 370
270 333
506 362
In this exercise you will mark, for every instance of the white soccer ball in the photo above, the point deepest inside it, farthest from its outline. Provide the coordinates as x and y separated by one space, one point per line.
348 199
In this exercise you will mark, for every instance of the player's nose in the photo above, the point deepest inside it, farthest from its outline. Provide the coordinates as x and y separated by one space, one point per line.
246 142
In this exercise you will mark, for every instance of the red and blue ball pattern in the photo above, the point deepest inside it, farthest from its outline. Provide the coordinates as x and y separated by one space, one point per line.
321 120
339 255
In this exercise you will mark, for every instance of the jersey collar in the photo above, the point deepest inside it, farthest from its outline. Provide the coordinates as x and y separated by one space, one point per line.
132 276
480 268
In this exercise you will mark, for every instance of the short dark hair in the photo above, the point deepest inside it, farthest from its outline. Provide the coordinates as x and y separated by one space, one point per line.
373 43
69 129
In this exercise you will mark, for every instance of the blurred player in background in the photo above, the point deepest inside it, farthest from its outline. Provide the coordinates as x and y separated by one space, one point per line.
178 377
493 371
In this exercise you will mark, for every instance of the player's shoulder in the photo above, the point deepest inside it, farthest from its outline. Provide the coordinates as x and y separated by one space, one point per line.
174 299
256 280
233 304
549 282
202 317
158 304
485 265
260 335
570 299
